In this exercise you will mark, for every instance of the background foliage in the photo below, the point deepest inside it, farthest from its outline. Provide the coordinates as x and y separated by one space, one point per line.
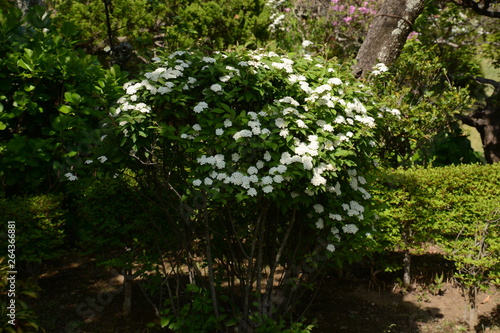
52 97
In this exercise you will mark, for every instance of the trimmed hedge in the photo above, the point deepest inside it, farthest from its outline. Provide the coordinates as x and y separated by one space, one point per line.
455 207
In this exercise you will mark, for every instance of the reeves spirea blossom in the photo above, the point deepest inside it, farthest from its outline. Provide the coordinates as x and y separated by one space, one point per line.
242 139
70 176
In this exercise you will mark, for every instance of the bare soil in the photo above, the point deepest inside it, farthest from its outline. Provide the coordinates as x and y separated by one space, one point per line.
79 296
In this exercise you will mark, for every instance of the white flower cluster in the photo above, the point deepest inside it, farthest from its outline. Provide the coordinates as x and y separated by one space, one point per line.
379 69
253 178
271 150
354 209
71 177
277 17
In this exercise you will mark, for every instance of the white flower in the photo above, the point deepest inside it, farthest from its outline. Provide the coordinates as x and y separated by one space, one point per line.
335 81
267 156
307 162
278 179
208 181
235 157
335 217
252 192
319 224
307 43
225 78
164 90
301 123
208 60
252 170
196 182
88 162
394 112
280 122
260 164
219 131
197 127
379 69
71 177
267 189
321 89
339 120
267 180
102 159
328 128
330 247
350 228
354 184
200 107
242 134
318 180
318 208
216 87
228 123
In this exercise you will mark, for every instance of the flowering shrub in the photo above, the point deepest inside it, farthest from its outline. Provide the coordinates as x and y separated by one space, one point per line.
257 125
263 151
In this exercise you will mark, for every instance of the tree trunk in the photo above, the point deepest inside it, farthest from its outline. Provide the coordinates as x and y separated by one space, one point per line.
387 34
407 269
25 5
471 308
486 119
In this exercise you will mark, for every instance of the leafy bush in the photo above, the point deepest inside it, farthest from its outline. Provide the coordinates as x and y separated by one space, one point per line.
427 133
51 100
257 159
179 24
455 207
40 225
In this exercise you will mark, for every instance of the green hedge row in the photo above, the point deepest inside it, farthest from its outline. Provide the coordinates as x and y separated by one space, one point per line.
456 208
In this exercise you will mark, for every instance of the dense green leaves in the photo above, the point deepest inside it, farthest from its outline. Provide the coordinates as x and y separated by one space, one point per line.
52 97
454 207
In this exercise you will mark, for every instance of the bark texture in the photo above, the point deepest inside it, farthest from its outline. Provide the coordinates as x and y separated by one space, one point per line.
25 5
387 34
486 119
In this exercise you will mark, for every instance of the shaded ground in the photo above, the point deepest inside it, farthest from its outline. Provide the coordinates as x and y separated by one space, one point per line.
78 296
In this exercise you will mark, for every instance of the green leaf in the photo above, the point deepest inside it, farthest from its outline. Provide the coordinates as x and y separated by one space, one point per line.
65 109
164 321
23 64
69 29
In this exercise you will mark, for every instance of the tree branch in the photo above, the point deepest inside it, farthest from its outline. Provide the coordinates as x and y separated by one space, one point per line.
475 6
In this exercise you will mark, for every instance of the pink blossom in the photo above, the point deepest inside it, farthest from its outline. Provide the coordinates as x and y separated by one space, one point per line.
352 9
347 19
287 9
413 35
